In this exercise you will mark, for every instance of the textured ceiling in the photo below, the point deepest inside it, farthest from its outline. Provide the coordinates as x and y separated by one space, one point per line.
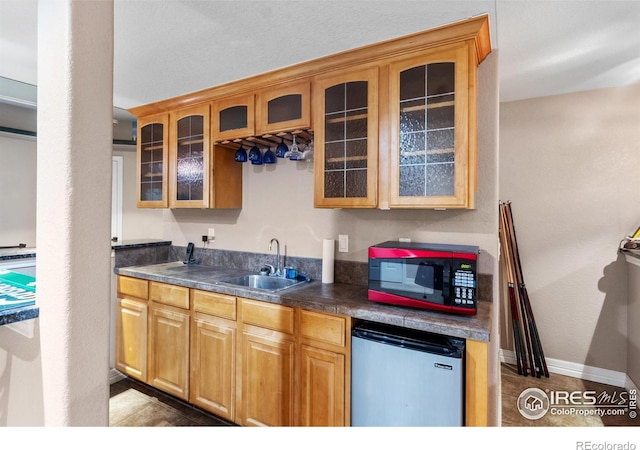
167 48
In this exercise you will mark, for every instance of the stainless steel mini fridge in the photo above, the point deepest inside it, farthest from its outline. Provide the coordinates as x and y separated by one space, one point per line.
402 377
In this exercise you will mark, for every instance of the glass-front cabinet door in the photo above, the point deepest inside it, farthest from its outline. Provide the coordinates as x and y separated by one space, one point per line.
346 139
233 118
189 154
152 157
432 151
283 108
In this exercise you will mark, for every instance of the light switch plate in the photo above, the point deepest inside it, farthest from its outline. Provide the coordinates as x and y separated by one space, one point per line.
343 243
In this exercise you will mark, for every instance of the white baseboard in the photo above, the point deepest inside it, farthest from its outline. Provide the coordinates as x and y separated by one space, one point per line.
115 376
581 371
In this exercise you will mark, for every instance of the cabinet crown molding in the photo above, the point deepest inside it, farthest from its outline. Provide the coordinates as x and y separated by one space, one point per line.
474 31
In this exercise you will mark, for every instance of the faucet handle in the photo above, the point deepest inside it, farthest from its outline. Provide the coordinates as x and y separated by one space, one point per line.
268 268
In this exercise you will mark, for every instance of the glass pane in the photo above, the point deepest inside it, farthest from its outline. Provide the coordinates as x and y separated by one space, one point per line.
357 94
334 156
233 118
356 183
440 178
356 124
151 153
334 127
356 152
412 116
334 98
412 148
412 181
346 127
190 163
440 78
285 108
412 83
334 184
427 134
441 140
440 112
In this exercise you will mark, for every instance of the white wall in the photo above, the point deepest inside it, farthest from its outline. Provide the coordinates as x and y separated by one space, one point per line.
569 165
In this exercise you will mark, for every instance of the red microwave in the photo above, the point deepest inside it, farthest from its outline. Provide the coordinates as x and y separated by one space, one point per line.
439 277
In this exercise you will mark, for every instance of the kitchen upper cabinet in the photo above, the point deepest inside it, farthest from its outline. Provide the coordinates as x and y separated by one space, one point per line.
346 139
190 158
131 327
169 326
284 107
233 118
152 161
432 119
213 353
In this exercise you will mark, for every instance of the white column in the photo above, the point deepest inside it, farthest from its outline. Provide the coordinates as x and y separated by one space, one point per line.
75 113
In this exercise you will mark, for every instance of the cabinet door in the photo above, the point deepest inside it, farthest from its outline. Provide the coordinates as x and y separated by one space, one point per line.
346 140
131 338
152 161
322 387
189 155
233 118
267 378
213 349
283 108
169 350
432 151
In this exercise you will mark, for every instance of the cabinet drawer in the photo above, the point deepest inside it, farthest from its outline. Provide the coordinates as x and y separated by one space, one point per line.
169 294
134 287
323 327
220 305
267 315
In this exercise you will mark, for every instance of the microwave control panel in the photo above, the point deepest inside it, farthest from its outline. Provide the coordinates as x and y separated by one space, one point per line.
464 288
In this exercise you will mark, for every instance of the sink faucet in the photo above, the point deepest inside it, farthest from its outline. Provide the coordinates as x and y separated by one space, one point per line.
278 267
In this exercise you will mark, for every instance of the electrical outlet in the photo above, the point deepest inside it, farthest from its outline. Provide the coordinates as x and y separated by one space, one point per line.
343 242
212 234
404 240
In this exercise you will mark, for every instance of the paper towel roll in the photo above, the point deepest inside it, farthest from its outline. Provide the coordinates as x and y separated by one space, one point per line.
328 255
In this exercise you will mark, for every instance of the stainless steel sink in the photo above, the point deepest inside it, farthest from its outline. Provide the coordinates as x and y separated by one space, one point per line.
264 282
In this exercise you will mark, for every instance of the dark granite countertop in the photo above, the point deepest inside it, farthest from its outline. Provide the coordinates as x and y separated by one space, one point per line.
139 243
17 253
345 299
8 316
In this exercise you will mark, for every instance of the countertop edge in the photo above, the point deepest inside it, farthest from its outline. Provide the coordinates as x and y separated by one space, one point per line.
19 314
348 300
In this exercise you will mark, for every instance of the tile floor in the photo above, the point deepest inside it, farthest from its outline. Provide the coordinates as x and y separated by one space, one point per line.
134 404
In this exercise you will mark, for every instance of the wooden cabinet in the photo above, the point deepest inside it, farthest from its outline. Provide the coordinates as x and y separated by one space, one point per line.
213 353
233 118
169 325
283 107
346 140
324 369
431 113
131 327
153 161
266 363
190 158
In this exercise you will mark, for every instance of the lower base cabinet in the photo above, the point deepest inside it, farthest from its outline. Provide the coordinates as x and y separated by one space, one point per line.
169 350
251 362
322 388
213 366
131 332
266 362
